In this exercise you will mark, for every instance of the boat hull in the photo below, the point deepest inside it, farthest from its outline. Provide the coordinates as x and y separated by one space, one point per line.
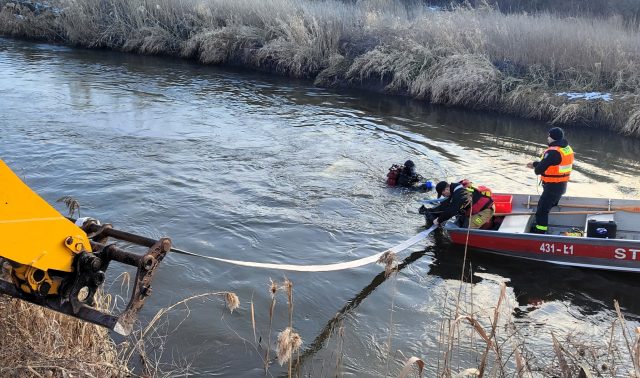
608 254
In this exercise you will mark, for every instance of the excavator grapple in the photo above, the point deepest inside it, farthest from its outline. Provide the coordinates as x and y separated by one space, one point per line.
59 262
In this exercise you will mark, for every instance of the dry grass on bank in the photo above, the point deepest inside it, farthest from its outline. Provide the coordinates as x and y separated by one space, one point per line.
39 342
20 21
476 58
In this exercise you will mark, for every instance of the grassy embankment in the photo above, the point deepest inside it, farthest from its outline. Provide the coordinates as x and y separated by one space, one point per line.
38 342
474 58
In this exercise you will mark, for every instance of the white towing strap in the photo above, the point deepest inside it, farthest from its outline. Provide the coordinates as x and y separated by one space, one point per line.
321 268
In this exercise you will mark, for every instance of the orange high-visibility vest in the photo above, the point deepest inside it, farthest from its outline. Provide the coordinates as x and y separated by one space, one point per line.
562 171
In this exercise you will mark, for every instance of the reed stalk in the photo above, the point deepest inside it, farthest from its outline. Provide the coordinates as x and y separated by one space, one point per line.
408 365
139 337
288 285
273 289
636 351
494 326
632 350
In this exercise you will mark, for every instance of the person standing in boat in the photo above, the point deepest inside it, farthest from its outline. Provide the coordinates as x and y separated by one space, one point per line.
473 208
554 170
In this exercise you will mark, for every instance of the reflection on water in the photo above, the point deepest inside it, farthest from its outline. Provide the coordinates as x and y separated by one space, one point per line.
244 166
351 305
597 289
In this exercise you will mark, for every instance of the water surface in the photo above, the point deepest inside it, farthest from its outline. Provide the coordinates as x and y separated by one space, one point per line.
245 166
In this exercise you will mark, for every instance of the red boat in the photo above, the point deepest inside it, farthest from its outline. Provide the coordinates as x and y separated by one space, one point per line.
583 232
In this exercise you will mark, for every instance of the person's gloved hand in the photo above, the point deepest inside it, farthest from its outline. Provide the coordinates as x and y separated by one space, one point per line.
436 222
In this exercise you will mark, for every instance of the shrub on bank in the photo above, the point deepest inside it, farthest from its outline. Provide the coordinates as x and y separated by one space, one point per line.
476 58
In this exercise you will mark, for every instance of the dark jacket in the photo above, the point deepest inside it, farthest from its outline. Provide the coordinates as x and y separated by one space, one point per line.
456 204
551 158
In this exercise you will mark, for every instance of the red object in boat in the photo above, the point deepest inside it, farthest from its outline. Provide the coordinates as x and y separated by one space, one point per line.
503 202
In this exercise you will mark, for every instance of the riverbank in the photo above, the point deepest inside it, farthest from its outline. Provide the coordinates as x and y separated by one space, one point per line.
39 342
474 58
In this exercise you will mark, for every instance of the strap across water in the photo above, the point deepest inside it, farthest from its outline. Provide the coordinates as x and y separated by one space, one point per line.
319 268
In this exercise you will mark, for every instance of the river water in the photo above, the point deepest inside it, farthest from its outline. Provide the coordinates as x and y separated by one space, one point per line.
251 167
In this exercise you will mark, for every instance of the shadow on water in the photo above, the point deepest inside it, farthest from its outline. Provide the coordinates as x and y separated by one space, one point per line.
325 334
589 291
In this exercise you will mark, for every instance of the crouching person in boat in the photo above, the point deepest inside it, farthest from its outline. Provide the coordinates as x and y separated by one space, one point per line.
472 205
406 176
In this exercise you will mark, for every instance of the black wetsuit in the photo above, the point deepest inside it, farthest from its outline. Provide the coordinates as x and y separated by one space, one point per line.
408 177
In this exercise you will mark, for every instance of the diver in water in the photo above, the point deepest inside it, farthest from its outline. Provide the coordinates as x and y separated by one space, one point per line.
406 176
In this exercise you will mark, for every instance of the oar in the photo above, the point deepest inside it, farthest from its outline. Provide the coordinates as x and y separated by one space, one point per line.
630 209
555 213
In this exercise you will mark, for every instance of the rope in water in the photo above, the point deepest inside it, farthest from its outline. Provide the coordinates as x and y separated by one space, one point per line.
318 268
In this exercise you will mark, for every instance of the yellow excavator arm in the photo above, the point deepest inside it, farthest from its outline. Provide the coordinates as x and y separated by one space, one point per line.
32 232
54 263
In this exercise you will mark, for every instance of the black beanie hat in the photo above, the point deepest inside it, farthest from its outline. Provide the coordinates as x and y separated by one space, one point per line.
556 133
409 164
440 187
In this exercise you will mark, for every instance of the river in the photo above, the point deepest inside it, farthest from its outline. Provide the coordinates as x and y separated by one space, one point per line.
247 166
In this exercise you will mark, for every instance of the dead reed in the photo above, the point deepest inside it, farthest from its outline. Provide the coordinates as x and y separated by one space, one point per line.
409 364
39 342
273 290
146 338
389 260
506 351
477 58
288 342
71 204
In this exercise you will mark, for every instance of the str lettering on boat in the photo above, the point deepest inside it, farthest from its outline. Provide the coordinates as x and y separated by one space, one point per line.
622 254
566 249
